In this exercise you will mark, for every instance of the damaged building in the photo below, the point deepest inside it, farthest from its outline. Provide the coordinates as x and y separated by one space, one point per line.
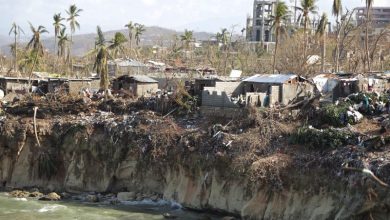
222 99
272 89
201 83
139 85
72 86
20 85
119 67
336 86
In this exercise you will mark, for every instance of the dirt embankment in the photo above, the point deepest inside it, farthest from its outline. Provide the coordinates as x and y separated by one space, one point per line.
247 167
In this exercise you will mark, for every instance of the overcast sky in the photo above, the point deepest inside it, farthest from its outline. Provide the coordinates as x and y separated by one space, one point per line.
199 15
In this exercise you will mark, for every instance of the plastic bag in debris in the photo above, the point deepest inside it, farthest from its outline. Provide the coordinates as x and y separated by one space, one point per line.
354 115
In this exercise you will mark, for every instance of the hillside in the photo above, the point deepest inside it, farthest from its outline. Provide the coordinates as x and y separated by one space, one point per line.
85 42
4 42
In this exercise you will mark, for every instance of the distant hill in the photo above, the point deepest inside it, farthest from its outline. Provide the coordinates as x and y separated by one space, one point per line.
85 42
4 42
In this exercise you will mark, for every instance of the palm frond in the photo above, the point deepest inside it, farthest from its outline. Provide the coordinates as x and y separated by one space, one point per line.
337 7
322 25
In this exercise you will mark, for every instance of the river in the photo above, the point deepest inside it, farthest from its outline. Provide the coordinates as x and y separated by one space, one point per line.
26 209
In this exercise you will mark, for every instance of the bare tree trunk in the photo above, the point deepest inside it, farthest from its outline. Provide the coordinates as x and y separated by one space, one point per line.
275 51
323 52
337 54
55 45
366 42
70 52
305 40
227 50
16 57
131 42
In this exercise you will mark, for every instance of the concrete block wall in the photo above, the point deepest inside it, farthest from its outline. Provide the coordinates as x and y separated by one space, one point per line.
255 99
217 99
275 96
231 88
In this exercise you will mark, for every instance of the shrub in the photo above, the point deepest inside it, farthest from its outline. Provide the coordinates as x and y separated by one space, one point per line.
322 139
333 115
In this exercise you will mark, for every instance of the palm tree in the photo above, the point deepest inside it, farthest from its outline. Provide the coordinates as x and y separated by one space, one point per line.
35 44
337 11
139 30
368 9
15 30
62 42
321 32
100 65
130 26
187 38
57 28
117 44
73 13
307 7
281 14
223 37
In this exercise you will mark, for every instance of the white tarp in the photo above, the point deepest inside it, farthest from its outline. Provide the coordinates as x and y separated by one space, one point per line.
325 84
235 73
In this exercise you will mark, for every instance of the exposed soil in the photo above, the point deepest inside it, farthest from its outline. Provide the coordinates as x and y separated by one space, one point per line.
257 148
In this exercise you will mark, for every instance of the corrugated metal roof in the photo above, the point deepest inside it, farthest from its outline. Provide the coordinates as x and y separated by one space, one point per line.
144 79
126 62
270 78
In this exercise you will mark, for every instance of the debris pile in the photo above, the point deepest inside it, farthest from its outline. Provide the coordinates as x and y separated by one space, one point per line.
263 146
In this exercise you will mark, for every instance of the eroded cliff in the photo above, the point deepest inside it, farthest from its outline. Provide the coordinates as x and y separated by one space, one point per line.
204 168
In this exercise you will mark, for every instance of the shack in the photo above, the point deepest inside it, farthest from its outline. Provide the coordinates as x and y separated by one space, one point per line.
170 82
20 85
139 85
271 89
119 67
211 81
325 83
72 86
374 83
341 85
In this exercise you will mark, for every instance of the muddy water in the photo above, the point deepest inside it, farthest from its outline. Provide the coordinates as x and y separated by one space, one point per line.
25 209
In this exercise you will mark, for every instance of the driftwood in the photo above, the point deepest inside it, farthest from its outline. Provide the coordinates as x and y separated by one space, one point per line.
35 125
369 173
169 113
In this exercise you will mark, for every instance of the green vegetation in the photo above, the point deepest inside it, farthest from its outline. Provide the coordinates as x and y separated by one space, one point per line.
332 114
280 16
322 139
73 13
307 7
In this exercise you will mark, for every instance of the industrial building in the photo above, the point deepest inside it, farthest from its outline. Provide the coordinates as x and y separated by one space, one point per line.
259 26
379 18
